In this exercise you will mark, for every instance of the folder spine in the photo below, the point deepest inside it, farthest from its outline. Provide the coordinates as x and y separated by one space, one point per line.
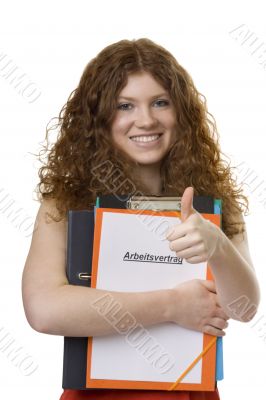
78 260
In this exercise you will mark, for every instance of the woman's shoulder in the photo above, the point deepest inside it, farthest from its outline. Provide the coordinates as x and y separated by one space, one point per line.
48 212
49 234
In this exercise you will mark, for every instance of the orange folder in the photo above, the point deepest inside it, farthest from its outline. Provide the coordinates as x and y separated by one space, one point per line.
207 354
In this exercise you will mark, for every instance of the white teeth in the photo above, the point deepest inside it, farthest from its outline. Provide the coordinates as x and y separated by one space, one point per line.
145 138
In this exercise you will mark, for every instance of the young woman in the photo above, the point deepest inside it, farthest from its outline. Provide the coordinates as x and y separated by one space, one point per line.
138 108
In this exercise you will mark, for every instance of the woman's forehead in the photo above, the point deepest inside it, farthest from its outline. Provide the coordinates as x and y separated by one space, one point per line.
142 83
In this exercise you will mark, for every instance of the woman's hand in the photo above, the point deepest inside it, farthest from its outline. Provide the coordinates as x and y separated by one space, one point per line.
195 238
194 306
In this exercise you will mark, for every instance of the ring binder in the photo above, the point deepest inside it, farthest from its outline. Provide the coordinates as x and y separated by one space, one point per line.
84 276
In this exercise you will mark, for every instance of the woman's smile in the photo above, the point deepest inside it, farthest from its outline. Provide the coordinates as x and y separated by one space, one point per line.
146 140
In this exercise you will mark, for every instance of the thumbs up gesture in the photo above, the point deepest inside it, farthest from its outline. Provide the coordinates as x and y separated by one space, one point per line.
195 238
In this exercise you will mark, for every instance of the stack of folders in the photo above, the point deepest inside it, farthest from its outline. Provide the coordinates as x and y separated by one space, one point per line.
120 246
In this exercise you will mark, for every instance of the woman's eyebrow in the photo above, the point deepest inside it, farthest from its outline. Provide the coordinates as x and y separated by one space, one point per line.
153 97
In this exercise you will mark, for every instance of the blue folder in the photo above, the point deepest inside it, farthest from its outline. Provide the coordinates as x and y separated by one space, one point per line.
219 343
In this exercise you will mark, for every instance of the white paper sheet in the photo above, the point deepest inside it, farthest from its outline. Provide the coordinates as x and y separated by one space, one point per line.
158 353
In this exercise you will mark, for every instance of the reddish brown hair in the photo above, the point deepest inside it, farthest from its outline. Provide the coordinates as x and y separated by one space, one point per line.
83 162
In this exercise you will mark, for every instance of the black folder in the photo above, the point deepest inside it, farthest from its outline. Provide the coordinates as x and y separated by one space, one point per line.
78 268
79 258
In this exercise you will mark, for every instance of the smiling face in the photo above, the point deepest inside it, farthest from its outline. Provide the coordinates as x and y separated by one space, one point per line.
144 126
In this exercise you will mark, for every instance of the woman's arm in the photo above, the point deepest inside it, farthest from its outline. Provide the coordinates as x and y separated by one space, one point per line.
53 306
236 283
199 240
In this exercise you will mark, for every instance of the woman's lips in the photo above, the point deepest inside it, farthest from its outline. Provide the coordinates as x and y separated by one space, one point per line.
146 138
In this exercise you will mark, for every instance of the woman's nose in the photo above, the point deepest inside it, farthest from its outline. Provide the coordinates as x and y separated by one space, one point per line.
145 118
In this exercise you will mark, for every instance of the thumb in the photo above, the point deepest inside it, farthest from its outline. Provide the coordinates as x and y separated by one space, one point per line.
187 203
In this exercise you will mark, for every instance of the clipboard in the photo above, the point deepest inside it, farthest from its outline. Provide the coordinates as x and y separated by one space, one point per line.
79 255
208 377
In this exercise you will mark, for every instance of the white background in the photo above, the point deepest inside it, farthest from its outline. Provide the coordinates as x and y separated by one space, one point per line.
51 42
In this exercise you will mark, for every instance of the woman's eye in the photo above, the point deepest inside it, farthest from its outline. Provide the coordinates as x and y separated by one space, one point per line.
123 106
162 102
128 106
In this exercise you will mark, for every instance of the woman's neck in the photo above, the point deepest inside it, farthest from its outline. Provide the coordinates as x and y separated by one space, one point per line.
150 176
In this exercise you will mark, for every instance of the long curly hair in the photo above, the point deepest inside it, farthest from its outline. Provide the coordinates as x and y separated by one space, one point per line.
83 162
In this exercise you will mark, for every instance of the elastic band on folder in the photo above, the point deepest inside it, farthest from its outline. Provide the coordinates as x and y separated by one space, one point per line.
193 363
